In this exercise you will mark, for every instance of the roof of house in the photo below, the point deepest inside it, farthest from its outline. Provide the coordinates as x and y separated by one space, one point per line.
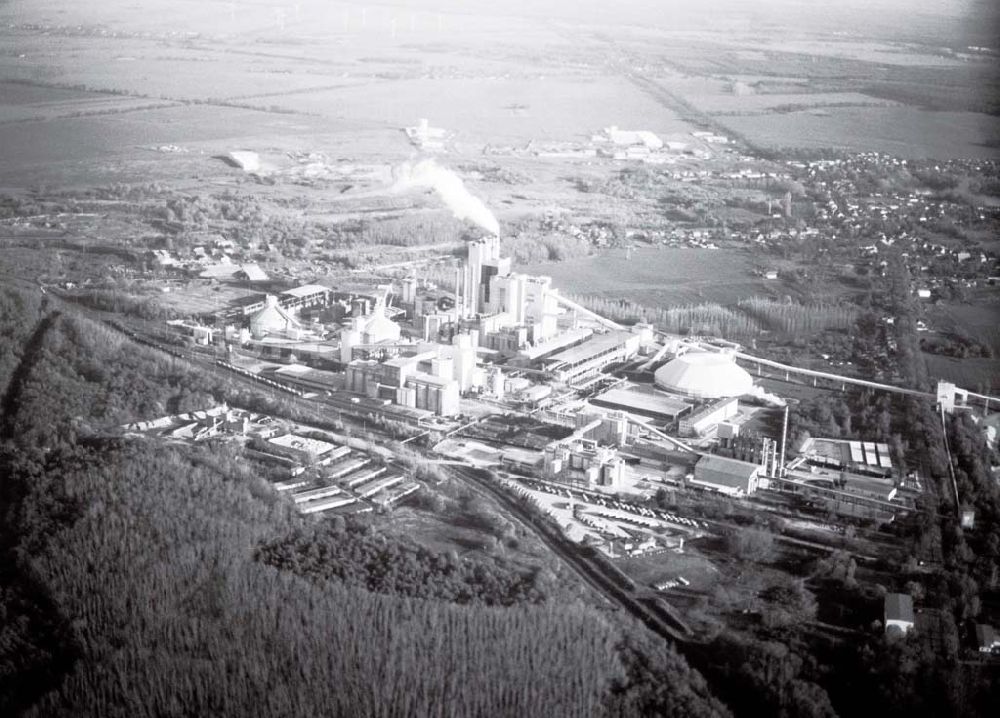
253 272
899 607
723 471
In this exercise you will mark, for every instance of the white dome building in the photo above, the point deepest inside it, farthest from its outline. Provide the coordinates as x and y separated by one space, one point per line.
704 375
273 319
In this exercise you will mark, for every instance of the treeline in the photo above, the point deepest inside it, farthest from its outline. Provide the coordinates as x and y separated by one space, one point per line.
704 319
356 554
412 230
531 247
746 320
955 345
793 318
119 302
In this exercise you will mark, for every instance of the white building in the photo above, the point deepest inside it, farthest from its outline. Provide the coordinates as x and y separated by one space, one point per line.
704 375
726 476
274 320
629 138
367 331
709 416
583 461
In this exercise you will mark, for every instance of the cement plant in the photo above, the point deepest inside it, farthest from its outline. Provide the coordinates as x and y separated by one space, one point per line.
438 359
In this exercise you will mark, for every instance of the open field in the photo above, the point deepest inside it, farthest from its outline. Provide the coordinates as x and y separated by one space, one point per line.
974 374
661 277
654 568
902 131
492 110
753 104
978 321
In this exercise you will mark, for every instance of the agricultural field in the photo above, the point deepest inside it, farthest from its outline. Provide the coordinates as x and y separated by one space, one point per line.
901 131
661 277
497 109
977 321
979 375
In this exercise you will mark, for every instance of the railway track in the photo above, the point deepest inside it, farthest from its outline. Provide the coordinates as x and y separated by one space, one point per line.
614 588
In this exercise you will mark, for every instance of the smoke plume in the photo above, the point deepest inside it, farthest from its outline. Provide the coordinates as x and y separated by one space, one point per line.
767 397
427 174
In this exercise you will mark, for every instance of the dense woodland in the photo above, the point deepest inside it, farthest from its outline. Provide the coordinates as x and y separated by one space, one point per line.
132 585
353 552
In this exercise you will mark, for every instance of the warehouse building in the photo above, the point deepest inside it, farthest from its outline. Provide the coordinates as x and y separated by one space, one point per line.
305 450
592 356
708 417
726 476
308 295
644 401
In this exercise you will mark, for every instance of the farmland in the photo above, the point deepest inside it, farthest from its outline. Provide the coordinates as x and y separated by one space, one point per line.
660 277
904 132
976 374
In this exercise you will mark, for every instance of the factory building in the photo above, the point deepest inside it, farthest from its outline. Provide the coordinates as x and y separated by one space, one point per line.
308 295
199 333
592 356
482 263
366 331
274 320
609 428
583 461
306 451
709 416
431 380
861 457
704 375
647 402
726 476
630 138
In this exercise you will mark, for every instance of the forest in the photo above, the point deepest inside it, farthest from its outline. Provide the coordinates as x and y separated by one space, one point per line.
142 578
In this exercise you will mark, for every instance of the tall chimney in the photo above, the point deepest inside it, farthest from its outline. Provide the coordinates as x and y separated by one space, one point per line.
458 293
784 436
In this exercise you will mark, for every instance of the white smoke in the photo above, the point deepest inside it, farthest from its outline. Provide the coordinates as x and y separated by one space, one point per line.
428 174
772 399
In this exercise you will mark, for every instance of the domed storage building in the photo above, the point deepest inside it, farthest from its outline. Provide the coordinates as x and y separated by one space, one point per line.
704 375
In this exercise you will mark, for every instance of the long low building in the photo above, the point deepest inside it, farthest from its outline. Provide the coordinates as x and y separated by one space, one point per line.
708 416
592 355
644 401
726 476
